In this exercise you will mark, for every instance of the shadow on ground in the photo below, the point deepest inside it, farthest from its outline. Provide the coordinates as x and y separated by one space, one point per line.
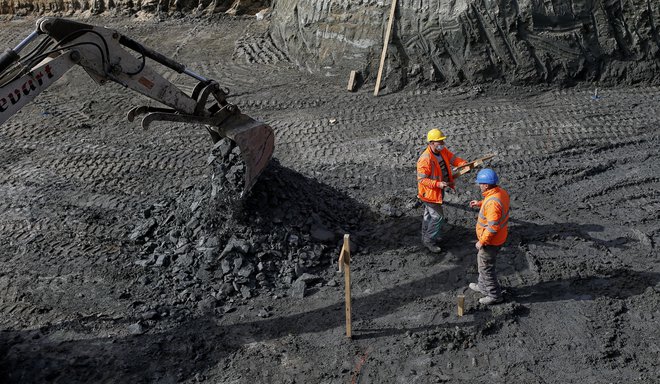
201 343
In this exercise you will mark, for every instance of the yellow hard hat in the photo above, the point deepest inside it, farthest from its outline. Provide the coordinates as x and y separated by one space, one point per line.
435 135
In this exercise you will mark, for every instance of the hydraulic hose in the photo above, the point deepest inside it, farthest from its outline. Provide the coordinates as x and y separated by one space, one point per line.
8 58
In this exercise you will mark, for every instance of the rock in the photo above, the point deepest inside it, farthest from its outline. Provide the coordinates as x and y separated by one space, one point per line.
228 308
236 244
185 260
162 261
227 289
144 262
136 329
222 148
226 266
308 278
298 289
238 262
245 292
149 315
246 271
293 239
299 269
143 230
263 313
207 305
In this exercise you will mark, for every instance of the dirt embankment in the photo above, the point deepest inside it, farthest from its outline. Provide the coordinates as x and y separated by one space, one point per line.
452 42
130 7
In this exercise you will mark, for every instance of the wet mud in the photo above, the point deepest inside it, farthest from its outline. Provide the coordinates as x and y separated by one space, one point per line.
124 257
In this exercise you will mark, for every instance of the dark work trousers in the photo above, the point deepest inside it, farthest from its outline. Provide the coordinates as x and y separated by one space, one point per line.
433 223
486 258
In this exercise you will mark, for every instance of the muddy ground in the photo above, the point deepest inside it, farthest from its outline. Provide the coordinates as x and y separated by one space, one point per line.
112 248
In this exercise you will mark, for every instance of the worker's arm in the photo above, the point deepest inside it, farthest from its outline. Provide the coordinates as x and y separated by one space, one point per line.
493 213
455 161
424 174
476 203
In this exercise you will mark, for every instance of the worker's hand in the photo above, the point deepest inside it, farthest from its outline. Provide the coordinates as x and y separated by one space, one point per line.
478 245
474 203
443 184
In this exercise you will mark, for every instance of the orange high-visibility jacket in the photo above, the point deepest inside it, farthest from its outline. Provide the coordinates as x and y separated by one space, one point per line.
429 174
493 221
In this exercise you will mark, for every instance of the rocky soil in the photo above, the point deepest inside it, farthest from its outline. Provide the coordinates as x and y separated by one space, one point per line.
124 260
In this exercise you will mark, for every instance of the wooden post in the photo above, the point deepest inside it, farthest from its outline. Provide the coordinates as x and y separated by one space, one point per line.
461 304
345 264
351 81
385 44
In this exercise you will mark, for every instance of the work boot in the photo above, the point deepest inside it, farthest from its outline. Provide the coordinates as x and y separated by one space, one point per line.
433 248
475 287
489 300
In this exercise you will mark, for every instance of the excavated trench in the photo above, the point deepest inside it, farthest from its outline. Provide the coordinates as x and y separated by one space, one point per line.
126 256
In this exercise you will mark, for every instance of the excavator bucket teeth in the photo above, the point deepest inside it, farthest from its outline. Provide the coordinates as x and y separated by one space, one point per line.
256 141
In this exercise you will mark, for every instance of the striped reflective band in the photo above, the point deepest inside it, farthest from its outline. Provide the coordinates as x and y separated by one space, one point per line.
502 222
505 215
425 176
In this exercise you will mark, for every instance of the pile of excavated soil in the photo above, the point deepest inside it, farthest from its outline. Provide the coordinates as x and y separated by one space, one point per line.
211 247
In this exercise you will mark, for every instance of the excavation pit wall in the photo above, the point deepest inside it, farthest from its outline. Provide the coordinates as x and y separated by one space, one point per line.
473 41
434 42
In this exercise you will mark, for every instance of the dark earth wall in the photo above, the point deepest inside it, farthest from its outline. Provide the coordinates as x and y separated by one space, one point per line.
457 41
445 41
94 7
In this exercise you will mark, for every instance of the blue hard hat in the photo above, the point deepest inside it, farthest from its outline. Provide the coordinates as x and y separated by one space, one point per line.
487 176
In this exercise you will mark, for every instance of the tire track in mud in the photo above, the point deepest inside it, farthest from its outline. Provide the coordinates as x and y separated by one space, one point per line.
259 49
498 124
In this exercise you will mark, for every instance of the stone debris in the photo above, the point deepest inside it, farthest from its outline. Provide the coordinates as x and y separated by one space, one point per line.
213 248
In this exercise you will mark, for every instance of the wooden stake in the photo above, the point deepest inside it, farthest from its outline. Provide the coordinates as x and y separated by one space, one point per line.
385 44
345 264
461 303
351 81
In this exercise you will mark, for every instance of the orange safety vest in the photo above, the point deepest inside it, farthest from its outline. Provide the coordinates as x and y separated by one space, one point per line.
429 174
493 221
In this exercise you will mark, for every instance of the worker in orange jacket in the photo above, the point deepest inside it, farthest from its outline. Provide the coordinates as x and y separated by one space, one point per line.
433 177
492 231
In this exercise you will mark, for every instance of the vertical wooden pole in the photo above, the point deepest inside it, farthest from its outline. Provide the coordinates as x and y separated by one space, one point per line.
352 80
345 263
461 304
385 44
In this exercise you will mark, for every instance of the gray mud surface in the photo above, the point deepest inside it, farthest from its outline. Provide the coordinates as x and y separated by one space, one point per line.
120 264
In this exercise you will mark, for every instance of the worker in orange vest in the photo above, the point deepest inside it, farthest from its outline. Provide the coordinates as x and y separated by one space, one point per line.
433 177
492 230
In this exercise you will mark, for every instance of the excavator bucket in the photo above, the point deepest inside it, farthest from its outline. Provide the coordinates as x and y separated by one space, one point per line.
256 142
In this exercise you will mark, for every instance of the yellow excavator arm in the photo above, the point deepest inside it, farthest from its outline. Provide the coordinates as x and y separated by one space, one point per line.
107 55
